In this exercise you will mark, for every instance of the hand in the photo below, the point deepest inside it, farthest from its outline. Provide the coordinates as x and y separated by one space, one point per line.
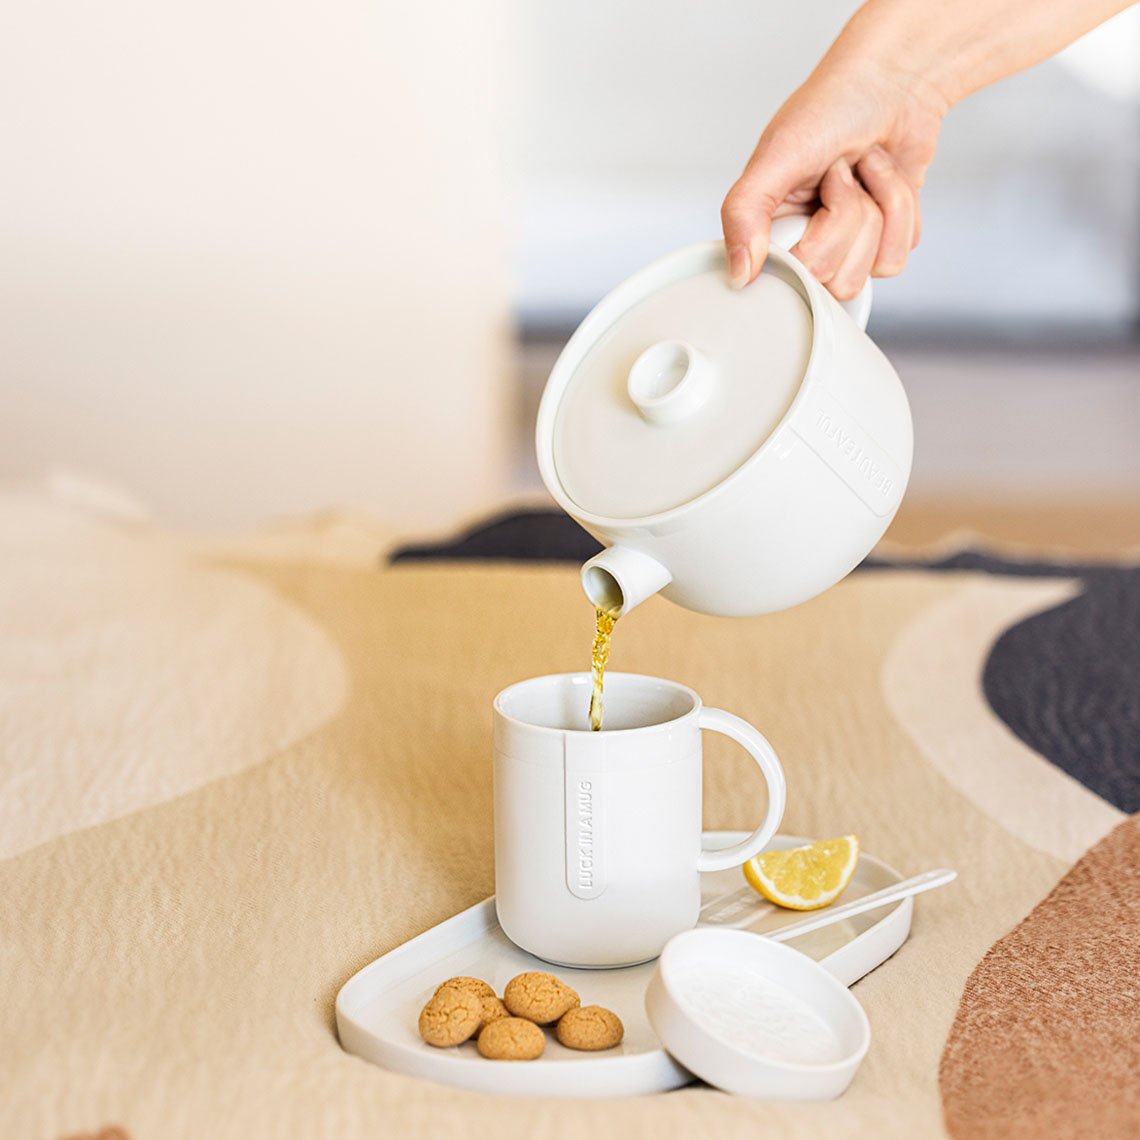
850 148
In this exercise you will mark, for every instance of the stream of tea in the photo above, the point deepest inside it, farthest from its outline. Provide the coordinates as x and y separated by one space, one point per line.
599 655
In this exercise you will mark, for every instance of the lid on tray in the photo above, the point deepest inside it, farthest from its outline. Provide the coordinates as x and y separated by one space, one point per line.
674 381
754 1017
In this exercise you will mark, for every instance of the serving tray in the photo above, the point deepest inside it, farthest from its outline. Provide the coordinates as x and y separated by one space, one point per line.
377 1009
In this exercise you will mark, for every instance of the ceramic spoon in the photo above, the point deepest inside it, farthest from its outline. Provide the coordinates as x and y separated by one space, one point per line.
927 881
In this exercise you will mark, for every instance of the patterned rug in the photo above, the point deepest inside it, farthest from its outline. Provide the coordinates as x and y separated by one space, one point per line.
233 774
1045 1040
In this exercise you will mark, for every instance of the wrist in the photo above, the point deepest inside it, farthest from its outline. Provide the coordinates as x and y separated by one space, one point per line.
947 49
936 52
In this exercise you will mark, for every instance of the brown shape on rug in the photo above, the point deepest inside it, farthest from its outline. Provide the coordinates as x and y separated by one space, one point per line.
1046 1041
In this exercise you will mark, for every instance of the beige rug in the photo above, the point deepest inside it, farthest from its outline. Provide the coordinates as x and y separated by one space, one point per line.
234 776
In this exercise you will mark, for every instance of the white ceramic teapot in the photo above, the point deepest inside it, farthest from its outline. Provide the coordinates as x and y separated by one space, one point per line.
737 450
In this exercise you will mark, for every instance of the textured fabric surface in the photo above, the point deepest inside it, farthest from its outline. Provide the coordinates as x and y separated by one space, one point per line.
1045 1042
171 969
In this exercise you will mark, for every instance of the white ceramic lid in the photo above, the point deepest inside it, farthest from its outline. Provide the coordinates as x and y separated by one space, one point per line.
754 1017
674 381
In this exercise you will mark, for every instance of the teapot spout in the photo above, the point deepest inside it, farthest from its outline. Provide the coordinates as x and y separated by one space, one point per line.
620 578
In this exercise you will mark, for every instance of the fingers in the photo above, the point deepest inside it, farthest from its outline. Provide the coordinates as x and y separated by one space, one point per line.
864 226
897 203
746 218
857 265
841 242
771 178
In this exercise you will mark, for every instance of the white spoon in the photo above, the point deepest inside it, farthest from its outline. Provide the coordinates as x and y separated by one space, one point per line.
927 881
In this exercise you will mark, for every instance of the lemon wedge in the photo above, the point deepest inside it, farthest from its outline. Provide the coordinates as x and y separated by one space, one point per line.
805 878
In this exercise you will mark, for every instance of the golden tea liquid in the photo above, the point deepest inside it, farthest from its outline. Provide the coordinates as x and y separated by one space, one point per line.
599 655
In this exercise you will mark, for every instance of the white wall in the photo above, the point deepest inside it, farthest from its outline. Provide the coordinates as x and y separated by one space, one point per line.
252 253
640 115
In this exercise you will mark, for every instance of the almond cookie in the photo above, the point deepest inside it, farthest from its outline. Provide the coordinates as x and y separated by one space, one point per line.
493 1010
476 985
511 1039
539 997
451 1017
590 1027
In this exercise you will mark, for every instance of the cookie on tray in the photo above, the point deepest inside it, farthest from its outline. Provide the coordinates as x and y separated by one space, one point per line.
450 1017
589 1027
511 1039
476 985
539 997
493 1010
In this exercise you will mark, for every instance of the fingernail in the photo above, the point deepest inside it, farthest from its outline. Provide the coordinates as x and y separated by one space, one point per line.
739 266
845 172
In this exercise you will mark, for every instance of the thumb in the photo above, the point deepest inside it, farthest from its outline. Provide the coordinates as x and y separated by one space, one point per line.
748 209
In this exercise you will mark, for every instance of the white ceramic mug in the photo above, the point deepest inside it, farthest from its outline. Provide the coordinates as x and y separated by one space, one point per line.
598 834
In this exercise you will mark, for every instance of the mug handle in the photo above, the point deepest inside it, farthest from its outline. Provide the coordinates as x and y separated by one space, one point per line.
717 720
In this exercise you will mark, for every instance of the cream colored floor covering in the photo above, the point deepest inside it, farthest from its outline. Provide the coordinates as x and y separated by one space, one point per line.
207 847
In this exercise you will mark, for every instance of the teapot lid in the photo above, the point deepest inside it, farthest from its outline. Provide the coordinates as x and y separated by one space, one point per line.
672 383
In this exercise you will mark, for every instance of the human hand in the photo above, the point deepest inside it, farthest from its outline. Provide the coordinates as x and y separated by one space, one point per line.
850 148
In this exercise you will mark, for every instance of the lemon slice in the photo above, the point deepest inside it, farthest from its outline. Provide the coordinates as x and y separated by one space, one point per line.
805 878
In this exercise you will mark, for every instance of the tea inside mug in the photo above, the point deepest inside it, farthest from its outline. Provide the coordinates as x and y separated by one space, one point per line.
562 703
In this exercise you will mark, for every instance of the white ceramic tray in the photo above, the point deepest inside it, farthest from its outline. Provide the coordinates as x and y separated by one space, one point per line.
378 1008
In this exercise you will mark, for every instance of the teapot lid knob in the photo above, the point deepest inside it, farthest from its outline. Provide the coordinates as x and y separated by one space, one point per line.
670 381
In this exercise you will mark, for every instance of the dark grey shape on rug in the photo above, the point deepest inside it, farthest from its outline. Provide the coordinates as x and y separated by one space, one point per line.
1065 681
517 536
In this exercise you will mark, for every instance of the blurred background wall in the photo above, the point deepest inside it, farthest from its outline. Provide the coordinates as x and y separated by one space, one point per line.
253 254
259 259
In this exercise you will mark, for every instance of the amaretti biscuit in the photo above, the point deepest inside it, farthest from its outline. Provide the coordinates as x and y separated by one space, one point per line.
589 1027
511 1039
539 997
493 1010
476 985
450 1017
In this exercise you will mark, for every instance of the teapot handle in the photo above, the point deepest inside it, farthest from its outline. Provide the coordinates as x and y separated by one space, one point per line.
787 231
